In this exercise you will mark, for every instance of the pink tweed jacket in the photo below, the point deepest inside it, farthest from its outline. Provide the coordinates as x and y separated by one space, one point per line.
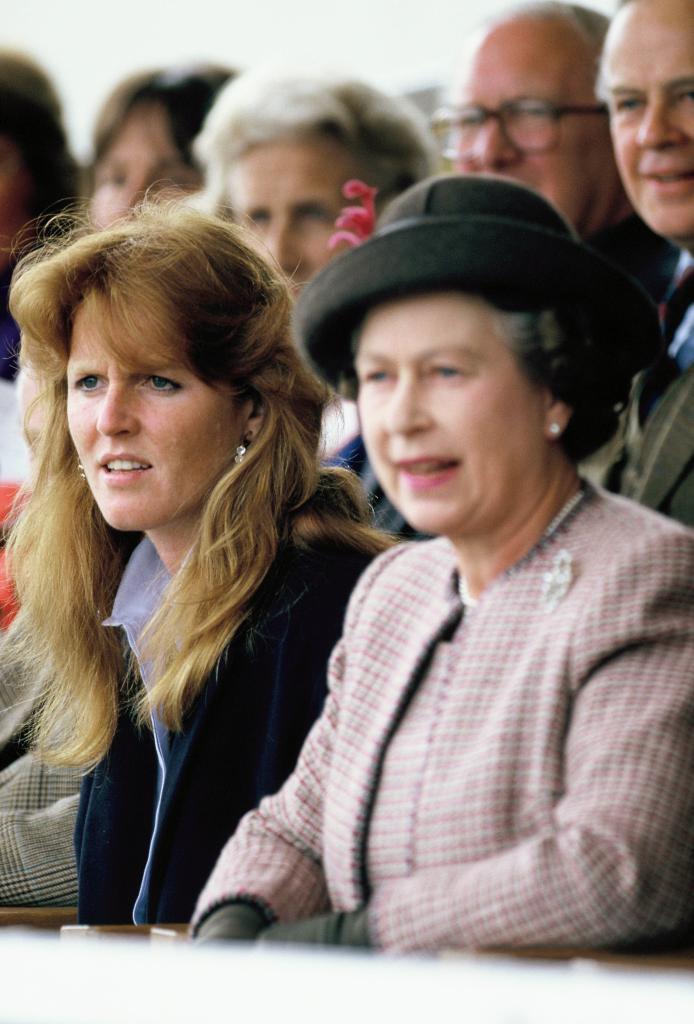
520 774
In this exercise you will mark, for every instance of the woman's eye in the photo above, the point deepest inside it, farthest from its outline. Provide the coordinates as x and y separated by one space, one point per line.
88 383
315 212
447 371
163 383
373 377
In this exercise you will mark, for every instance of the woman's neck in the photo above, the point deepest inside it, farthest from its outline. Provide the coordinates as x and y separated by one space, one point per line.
482 559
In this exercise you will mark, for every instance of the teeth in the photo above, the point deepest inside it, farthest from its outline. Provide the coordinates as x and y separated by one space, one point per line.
427 467
125 464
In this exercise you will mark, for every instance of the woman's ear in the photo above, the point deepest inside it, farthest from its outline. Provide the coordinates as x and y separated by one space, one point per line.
254 417
557 416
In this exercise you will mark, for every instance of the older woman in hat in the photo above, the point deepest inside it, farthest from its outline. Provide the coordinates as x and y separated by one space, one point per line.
505 756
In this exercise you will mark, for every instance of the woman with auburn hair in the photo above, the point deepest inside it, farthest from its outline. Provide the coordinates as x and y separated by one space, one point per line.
182 561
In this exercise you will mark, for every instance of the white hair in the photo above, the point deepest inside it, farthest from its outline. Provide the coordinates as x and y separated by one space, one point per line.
387 135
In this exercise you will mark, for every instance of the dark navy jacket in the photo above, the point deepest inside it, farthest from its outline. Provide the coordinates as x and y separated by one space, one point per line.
239 742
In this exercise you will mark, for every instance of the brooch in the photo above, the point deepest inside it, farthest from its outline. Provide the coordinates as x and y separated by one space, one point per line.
557 580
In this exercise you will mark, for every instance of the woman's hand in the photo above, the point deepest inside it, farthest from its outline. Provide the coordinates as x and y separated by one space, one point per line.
234 922
337 929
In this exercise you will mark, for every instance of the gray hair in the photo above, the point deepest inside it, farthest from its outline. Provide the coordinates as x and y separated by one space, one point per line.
387 135
555 349
592 24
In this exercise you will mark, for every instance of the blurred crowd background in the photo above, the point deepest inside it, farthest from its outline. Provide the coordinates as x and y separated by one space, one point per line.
397 45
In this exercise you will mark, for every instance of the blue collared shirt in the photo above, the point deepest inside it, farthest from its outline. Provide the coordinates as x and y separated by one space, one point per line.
681 347
137 599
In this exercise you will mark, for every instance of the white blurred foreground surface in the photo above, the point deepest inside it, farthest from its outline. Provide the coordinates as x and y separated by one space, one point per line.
128 981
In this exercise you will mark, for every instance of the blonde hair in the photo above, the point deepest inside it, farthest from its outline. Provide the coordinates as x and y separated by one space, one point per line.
195 285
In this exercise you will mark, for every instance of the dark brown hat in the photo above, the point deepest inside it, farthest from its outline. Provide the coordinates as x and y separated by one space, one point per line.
488 237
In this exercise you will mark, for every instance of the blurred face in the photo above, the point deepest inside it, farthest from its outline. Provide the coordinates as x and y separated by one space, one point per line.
458 436
16 193
289 194
648 72
152 444
543 60
142 159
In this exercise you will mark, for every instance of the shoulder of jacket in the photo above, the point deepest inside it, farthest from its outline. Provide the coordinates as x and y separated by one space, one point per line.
623 548
420 569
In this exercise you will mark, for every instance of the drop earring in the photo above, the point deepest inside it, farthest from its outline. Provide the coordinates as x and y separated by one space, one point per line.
241 451
80 470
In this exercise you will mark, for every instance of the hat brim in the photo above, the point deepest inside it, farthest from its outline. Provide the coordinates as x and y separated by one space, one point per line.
515 265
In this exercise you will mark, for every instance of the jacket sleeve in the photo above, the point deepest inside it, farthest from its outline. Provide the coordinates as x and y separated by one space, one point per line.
38 806
275 857
27 785
615 863
37 859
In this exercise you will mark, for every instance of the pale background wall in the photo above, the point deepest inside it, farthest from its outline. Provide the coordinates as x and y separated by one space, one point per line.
87 45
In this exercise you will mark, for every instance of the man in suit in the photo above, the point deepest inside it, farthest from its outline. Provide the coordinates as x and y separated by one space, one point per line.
524 105
648 79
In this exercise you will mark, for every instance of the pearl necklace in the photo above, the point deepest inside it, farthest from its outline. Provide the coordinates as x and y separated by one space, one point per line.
468 601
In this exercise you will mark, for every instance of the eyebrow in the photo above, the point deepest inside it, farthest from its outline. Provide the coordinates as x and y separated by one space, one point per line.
464 351
674 83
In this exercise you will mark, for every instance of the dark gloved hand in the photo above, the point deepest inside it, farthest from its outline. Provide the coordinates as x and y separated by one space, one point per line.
234 922
339 929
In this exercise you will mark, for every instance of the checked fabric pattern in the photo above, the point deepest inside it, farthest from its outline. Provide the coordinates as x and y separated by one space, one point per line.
514 776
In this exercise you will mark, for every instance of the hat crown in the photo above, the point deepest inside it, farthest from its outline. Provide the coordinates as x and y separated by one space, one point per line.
455 195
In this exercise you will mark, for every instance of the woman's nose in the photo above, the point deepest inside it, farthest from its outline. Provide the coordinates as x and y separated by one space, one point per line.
406 411
282 243
115 414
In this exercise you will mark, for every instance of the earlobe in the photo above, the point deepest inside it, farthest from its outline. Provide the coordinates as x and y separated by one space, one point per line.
557 419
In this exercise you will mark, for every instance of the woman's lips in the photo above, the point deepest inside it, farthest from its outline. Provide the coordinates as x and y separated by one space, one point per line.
125 465
424 474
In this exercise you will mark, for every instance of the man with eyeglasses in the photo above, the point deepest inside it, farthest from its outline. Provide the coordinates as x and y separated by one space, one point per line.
524 106
647 76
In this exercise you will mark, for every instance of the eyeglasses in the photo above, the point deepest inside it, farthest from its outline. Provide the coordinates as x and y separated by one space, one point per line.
532 126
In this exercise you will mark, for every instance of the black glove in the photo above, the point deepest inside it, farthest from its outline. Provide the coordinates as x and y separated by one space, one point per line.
234 922
340 929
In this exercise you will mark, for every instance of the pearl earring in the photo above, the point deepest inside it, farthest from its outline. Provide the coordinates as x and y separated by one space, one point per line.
240 454
554 429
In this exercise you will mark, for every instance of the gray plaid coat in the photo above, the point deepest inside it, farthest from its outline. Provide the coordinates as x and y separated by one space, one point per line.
38 807
517 775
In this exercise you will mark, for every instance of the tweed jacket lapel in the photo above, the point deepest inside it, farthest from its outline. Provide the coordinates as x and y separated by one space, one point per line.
668 443
424 611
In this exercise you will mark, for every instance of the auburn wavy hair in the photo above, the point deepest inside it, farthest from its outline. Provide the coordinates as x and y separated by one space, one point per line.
173 283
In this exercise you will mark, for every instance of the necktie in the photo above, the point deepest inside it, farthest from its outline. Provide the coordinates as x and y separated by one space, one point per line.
676 305
666 369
